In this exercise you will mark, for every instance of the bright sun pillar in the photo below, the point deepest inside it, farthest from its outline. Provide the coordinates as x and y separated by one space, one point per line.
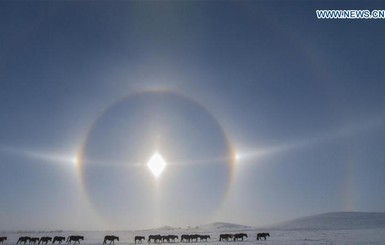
156 164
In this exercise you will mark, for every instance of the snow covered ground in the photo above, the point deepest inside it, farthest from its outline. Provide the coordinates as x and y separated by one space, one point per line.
331 228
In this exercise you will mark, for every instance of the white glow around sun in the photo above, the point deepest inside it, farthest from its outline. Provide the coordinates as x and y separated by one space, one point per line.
156 164
237 156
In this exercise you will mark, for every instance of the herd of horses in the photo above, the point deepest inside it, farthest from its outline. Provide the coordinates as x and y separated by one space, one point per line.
197 238
185 238
45 239
174 238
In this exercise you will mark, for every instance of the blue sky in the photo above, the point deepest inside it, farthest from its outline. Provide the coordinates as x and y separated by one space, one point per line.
90 90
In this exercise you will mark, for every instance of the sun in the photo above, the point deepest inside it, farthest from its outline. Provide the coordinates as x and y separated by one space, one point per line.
156 164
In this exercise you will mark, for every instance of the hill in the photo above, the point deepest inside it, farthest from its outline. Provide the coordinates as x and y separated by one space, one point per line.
222 226
335 221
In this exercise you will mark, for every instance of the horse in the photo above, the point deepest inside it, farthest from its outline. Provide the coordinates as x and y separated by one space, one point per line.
194 237
111 239
2 239
34 240
45 240
172 238
239 236
204 237
185 238
23 239
75 239
164 239
225 237
155 238
139 239
59 239
262 235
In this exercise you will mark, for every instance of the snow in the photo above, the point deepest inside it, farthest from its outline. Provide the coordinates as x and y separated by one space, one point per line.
330 228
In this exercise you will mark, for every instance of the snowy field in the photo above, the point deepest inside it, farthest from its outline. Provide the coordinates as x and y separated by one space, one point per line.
330 228
369 236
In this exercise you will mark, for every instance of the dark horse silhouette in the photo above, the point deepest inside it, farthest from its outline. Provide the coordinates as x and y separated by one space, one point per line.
23 239
45 240
239 236
185 238
111 239
172 238
165 239
59 239
155 238
262 235
225 237
2 239
75 239
139 239
204 237
34 240
194 237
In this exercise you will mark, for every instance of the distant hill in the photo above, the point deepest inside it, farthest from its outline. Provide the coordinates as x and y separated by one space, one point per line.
335 221
166 228
222 226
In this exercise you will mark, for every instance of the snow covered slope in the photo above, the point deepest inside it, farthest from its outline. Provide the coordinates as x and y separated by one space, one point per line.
335 221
